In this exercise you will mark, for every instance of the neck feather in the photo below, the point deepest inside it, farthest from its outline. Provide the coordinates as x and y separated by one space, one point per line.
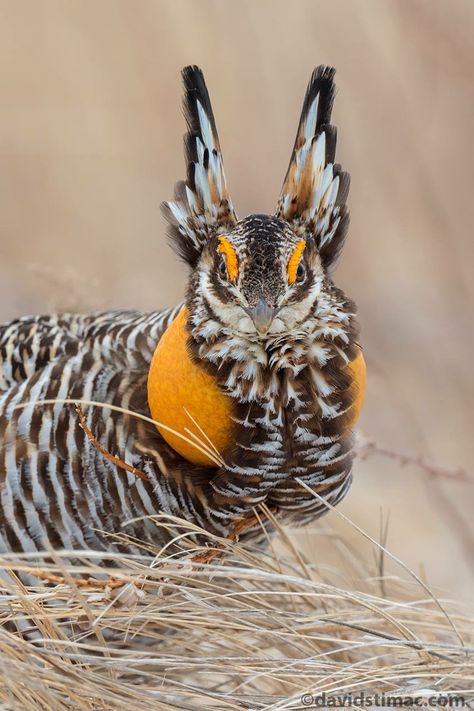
255 368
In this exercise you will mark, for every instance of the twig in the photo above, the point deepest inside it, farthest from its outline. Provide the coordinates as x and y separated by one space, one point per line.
79 582
202 447
239 528
368 447
113 458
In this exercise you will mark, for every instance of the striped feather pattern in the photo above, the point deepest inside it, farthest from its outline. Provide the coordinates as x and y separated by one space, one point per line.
54 485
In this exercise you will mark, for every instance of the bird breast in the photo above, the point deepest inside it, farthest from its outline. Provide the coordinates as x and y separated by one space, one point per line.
183 397
188 406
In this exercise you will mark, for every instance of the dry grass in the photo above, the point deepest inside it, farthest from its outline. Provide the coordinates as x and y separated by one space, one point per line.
252 630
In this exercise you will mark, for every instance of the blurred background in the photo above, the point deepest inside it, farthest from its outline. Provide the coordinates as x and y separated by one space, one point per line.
90 144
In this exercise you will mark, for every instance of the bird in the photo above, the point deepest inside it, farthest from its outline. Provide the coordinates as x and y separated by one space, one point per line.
244 395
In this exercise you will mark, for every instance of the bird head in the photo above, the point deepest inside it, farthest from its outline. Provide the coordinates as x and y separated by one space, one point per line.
264 275
260 277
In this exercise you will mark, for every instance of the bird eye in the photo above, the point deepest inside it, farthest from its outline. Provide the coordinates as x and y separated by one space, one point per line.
222 268
300 273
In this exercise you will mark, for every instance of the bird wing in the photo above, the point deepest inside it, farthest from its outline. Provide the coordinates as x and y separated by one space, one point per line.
28 344
125 338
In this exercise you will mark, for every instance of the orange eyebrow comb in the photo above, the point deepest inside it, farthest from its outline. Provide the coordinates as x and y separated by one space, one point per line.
226 248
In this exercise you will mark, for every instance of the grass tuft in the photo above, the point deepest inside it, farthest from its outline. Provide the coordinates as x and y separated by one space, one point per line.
252 629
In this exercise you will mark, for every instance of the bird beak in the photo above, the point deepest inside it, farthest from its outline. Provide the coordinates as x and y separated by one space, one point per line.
262 316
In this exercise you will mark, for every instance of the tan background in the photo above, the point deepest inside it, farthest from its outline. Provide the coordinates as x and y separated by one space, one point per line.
90 143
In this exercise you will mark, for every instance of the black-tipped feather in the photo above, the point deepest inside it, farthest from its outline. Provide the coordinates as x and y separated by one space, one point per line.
315 189
201 203
195 90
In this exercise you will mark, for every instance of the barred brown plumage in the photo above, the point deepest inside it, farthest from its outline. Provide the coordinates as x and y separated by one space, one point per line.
262 318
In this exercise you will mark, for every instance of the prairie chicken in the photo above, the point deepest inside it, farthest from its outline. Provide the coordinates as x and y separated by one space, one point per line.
256 380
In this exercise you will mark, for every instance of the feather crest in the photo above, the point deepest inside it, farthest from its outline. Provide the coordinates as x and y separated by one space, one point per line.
202 202
315 188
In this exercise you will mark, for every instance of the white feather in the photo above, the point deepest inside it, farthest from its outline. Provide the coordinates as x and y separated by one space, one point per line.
206 128
310 124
